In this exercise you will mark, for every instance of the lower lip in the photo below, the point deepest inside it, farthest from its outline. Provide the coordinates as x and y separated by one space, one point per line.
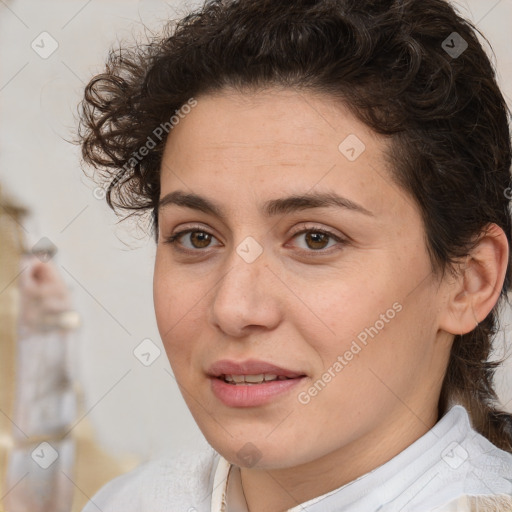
252 395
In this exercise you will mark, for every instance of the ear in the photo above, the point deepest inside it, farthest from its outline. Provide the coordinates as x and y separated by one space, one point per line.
477 287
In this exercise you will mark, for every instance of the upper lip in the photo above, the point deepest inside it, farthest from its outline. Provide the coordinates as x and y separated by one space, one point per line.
249 367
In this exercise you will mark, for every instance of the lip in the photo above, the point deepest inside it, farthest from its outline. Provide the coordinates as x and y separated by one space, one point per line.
249 367
252 395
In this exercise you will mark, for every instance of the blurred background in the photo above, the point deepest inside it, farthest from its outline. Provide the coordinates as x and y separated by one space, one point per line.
48 52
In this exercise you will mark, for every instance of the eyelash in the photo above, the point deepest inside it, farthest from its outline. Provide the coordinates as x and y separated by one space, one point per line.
173 240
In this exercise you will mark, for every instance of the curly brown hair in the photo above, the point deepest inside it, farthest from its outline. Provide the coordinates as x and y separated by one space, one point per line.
413 70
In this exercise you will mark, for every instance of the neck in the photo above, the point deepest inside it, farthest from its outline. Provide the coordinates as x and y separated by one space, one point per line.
286 488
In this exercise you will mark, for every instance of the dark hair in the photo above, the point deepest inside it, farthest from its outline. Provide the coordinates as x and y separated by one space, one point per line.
413 70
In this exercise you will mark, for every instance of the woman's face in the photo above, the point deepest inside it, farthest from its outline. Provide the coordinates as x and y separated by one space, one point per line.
331 292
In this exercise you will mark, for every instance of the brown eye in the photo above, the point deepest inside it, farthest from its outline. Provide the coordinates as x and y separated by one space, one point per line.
197 239
316 240
200 239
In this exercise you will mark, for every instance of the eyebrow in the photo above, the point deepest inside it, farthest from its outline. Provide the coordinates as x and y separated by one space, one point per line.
270 208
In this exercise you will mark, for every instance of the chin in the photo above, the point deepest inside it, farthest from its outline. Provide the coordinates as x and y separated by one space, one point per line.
257 451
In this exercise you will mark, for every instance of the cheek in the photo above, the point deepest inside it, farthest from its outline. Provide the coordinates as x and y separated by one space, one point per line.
365 323
346 309
164 302
172 295
173 309
386 358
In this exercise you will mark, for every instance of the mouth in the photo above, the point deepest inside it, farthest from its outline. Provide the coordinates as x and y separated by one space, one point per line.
251 383
250 380
251 371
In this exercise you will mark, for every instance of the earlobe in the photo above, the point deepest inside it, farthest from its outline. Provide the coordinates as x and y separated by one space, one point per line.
478 284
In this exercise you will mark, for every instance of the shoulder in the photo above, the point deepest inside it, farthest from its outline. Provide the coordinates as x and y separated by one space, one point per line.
460 469
469 454
487 464
181 482
476 473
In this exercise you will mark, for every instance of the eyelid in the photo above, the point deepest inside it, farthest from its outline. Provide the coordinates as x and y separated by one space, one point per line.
305 226
171 239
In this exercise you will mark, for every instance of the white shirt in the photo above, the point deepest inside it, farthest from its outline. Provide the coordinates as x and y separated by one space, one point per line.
435 474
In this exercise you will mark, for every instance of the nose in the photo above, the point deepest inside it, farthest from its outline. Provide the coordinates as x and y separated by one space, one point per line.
246 298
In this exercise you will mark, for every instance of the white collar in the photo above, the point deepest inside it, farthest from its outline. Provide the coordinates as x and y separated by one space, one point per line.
220 485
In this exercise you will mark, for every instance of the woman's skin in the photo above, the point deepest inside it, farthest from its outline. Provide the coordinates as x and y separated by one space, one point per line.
305 299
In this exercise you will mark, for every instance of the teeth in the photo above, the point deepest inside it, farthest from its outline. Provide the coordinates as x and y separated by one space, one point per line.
253 379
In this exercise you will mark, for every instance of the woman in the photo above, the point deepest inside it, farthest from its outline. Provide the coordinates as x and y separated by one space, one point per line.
328 184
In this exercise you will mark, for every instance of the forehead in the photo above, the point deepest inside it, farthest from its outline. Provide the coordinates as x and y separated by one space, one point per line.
274 120
237 145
